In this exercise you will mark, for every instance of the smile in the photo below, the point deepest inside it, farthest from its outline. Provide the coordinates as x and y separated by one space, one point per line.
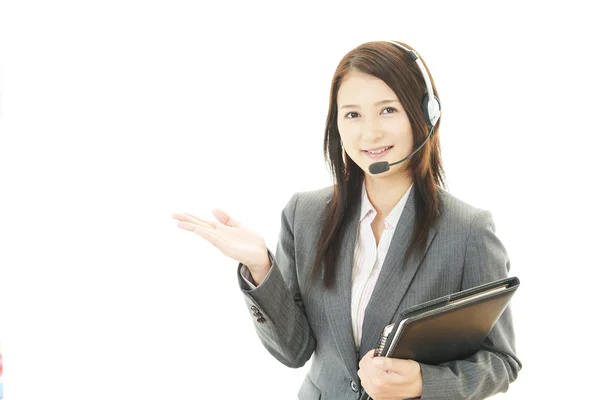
378 153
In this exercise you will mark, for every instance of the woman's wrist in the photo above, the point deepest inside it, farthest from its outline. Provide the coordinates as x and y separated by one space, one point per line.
260 272
418 392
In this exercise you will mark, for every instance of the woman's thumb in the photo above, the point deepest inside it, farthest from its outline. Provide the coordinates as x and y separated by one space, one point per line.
225 219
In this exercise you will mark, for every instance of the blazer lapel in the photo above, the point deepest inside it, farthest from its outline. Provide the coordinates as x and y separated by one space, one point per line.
394 279
338 301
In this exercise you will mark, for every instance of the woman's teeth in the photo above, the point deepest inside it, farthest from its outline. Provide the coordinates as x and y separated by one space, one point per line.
379 151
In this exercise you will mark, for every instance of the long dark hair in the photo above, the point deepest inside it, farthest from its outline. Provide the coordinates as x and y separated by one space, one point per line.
400 72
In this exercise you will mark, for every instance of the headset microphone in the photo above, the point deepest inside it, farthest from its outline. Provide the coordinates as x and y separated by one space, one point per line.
383 166
431 108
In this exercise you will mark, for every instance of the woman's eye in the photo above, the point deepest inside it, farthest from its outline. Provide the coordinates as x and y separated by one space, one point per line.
352 114
390 108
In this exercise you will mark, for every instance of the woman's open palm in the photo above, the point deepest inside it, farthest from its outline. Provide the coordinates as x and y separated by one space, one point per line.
229 236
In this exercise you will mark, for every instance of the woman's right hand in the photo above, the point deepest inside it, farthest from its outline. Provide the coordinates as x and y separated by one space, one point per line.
232 238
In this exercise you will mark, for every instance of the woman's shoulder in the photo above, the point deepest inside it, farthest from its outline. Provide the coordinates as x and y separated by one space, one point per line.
457 211
309 201
319 195
308 207
313 200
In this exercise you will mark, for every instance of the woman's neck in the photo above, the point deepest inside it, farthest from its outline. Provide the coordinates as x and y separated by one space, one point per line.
384 194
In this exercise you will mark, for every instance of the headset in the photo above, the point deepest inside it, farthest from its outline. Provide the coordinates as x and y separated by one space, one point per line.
430 104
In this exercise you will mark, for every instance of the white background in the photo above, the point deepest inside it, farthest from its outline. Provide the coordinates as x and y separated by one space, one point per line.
115 114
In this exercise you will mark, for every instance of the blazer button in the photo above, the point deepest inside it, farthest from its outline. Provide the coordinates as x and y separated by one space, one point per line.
261 319
253 308
257 314
354 386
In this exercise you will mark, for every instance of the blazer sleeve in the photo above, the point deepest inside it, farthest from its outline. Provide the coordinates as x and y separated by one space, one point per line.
276 304
495 365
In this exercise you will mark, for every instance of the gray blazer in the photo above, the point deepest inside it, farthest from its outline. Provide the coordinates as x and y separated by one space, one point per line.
295 319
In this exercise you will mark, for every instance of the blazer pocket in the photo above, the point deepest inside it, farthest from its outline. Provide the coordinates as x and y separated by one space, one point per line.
308 390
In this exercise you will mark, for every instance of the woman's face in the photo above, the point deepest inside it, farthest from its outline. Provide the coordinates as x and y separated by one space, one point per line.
370 117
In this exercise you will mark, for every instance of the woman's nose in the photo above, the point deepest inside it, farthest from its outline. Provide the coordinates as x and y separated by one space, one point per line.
371 128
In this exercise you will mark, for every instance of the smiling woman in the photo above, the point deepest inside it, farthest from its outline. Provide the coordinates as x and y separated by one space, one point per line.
378 240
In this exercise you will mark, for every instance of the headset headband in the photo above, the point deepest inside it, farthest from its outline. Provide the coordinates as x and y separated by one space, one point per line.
431 104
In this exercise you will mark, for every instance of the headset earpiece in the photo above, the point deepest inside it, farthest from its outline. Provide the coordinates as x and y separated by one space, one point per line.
431 117
431 111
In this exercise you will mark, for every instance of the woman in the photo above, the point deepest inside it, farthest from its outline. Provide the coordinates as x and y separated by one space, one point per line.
379 240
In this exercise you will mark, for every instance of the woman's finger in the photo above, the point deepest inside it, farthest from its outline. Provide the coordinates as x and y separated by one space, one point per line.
213 224
187 217
225 219
189 226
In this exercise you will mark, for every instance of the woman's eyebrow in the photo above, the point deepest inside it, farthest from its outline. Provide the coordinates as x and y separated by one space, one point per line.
378 103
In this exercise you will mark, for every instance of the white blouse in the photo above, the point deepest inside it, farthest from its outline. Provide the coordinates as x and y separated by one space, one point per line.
369 257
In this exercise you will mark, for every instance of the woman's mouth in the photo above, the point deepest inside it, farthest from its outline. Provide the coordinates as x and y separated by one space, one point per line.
378 153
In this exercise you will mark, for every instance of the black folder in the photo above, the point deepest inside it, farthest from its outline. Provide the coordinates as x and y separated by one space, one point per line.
451 327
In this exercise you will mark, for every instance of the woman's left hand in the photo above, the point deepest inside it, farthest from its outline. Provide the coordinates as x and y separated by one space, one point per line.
386 378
